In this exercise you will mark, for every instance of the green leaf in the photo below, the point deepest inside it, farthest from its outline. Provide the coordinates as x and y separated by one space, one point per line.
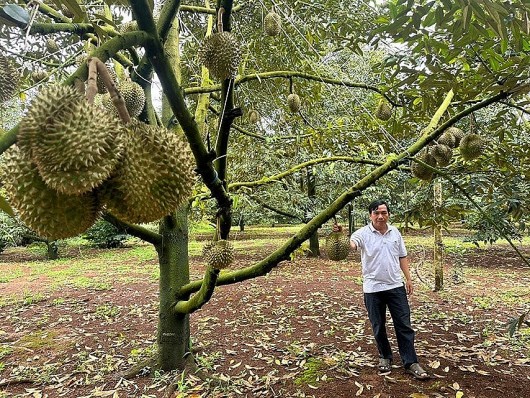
17 13
6 207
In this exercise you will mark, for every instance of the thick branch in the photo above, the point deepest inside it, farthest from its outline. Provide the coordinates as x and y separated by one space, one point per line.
202 296
134 230
276 177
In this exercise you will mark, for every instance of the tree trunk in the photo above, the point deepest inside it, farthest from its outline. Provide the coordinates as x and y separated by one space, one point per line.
438 242
314 248
173 336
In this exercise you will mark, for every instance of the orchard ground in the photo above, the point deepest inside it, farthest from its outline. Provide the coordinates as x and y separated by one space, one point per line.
70 327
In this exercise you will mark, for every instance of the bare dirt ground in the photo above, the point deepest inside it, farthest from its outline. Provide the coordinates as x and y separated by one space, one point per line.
301 331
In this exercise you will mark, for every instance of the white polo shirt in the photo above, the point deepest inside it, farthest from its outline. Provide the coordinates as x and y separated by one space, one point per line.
380 254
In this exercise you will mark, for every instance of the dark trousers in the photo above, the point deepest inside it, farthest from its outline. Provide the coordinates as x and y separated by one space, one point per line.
398 305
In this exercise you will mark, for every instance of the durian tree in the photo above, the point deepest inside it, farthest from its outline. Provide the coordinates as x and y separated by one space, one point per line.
428 95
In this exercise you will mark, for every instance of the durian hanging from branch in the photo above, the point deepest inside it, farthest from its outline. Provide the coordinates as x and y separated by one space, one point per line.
337 244
253 116
383 110
272 23
220 52
293 100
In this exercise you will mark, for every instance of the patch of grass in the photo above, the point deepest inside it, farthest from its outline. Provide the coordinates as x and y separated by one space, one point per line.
484 302
9 275
107 311
311 374
5 350
30 298
39 339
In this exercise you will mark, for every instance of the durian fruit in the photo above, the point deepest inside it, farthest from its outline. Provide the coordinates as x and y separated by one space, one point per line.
154 177
102 89
293 102
442 153
457 133
38 76
337 245
471 146
447 138
127 27
272 24
383 110
132 94
420 171
51 46
219 254
221 54
51 214
9 78
253 116
75 145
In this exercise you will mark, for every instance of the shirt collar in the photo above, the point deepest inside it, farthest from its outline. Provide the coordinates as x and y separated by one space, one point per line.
372 228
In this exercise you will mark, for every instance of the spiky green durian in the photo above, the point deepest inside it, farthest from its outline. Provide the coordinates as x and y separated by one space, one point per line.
457 133
383 110
51 46
337 245
51 214
9 79
154 177
471 146
132 94
74 145
419 170
447 138
294 103
38 76
221 54
253 116
129 26
272 24
442 153
219 254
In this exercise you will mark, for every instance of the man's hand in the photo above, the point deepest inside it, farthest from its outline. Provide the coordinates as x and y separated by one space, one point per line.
408 287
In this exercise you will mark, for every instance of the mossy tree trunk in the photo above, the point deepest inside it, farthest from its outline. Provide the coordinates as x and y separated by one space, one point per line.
173 337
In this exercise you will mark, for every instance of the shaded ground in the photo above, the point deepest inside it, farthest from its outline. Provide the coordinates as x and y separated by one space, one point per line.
299 332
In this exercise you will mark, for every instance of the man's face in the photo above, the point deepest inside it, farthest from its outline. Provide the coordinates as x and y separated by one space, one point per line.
379 216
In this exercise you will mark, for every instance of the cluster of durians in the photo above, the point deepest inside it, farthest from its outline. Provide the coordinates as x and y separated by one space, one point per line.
337 245
74 159
471 146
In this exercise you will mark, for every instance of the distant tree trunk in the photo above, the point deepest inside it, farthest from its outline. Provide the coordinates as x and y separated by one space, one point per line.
52 250
241 222
351 220
173 336
438 242
314 248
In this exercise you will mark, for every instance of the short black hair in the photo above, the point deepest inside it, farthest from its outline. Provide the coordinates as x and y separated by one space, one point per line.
375 204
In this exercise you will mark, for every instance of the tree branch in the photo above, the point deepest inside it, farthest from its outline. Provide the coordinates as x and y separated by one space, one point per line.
134 230
276 177
290 75
202 296
274 209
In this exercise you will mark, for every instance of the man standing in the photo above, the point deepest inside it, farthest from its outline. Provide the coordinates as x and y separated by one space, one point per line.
384 260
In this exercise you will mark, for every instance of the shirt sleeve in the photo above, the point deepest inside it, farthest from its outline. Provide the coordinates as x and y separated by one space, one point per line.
402 248
357 238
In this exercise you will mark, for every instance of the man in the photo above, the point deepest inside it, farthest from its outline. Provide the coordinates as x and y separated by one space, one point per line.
384 260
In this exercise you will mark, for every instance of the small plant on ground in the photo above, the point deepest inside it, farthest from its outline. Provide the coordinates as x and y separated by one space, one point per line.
105 235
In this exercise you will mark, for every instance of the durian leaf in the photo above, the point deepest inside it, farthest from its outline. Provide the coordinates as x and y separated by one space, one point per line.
6 207
16 13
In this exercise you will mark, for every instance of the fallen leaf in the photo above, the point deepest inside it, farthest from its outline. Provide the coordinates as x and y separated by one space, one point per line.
459 394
